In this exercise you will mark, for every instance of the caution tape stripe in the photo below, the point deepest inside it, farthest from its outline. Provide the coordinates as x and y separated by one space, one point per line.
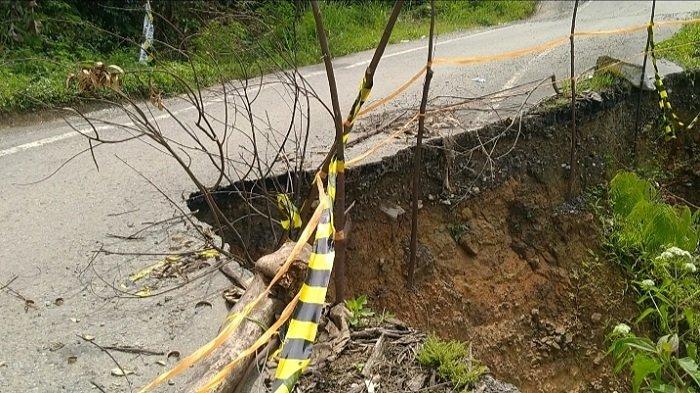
296 348
667 112
307 312
290 368
302 330
316 295
318 278
301 333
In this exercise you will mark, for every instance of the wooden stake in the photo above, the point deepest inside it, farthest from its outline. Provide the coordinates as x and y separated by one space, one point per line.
417 164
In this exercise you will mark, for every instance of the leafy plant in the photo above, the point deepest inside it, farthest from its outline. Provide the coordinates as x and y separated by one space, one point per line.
457 230
384 316
657 241
645 223
452 360
359 311
655 367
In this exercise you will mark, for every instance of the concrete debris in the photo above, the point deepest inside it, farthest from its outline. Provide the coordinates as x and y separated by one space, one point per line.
392 211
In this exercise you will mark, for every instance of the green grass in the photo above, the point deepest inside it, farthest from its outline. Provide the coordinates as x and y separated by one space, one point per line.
596 82
683 47
452 360
34 76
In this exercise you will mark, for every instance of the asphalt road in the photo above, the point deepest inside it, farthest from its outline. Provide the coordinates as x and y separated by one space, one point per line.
50 228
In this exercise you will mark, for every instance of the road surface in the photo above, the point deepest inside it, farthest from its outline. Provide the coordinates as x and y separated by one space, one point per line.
50 228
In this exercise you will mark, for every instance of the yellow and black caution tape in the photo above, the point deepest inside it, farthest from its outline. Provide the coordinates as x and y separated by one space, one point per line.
669 119
301 333
292 218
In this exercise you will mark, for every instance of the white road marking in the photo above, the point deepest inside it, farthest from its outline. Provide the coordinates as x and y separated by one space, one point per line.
71 134
37 143
424 47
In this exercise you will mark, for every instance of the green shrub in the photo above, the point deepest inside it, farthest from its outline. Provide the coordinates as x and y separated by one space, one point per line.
359 312
645 223
659 243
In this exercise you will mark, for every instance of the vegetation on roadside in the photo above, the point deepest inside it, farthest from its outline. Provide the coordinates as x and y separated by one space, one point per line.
208 42
452 360
359 312
683 47
594 82
658 244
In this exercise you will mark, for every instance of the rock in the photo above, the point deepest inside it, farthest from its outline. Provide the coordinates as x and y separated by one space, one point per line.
633 72
466 214
534 263
598 359
392 211
468 245
488 384
549 258
596 317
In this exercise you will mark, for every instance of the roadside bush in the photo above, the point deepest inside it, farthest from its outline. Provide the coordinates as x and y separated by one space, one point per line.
658 244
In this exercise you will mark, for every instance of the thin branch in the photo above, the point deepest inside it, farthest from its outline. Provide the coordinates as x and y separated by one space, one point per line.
642 77
418 151
367 84
119 366
339 205
572 159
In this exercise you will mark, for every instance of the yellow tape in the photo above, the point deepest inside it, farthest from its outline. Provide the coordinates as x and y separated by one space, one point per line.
321 261
471 60
324 230
287 208
286 368
239 317
300 330
314 295
264 338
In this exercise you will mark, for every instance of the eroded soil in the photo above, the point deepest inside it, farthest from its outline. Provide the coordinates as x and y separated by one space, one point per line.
506 259
514 271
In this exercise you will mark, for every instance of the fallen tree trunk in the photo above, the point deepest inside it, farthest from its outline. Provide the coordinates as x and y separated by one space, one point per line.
258 321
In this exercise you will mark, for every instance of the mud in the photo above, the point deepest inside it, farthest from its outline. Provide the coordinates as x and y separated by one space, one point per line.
508 260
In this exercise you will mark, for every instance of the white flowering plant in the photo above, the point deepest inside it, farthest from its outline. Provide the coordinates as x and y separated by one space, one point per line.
658 245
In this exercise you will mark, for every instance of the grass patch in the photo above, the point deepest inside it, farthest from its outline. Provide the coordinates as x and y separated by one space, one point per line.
452 360
274 35
683 47
596 82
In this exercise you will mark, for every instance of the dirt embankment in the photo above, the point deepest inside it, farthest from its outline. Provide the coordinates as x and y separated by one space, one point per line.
507 260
